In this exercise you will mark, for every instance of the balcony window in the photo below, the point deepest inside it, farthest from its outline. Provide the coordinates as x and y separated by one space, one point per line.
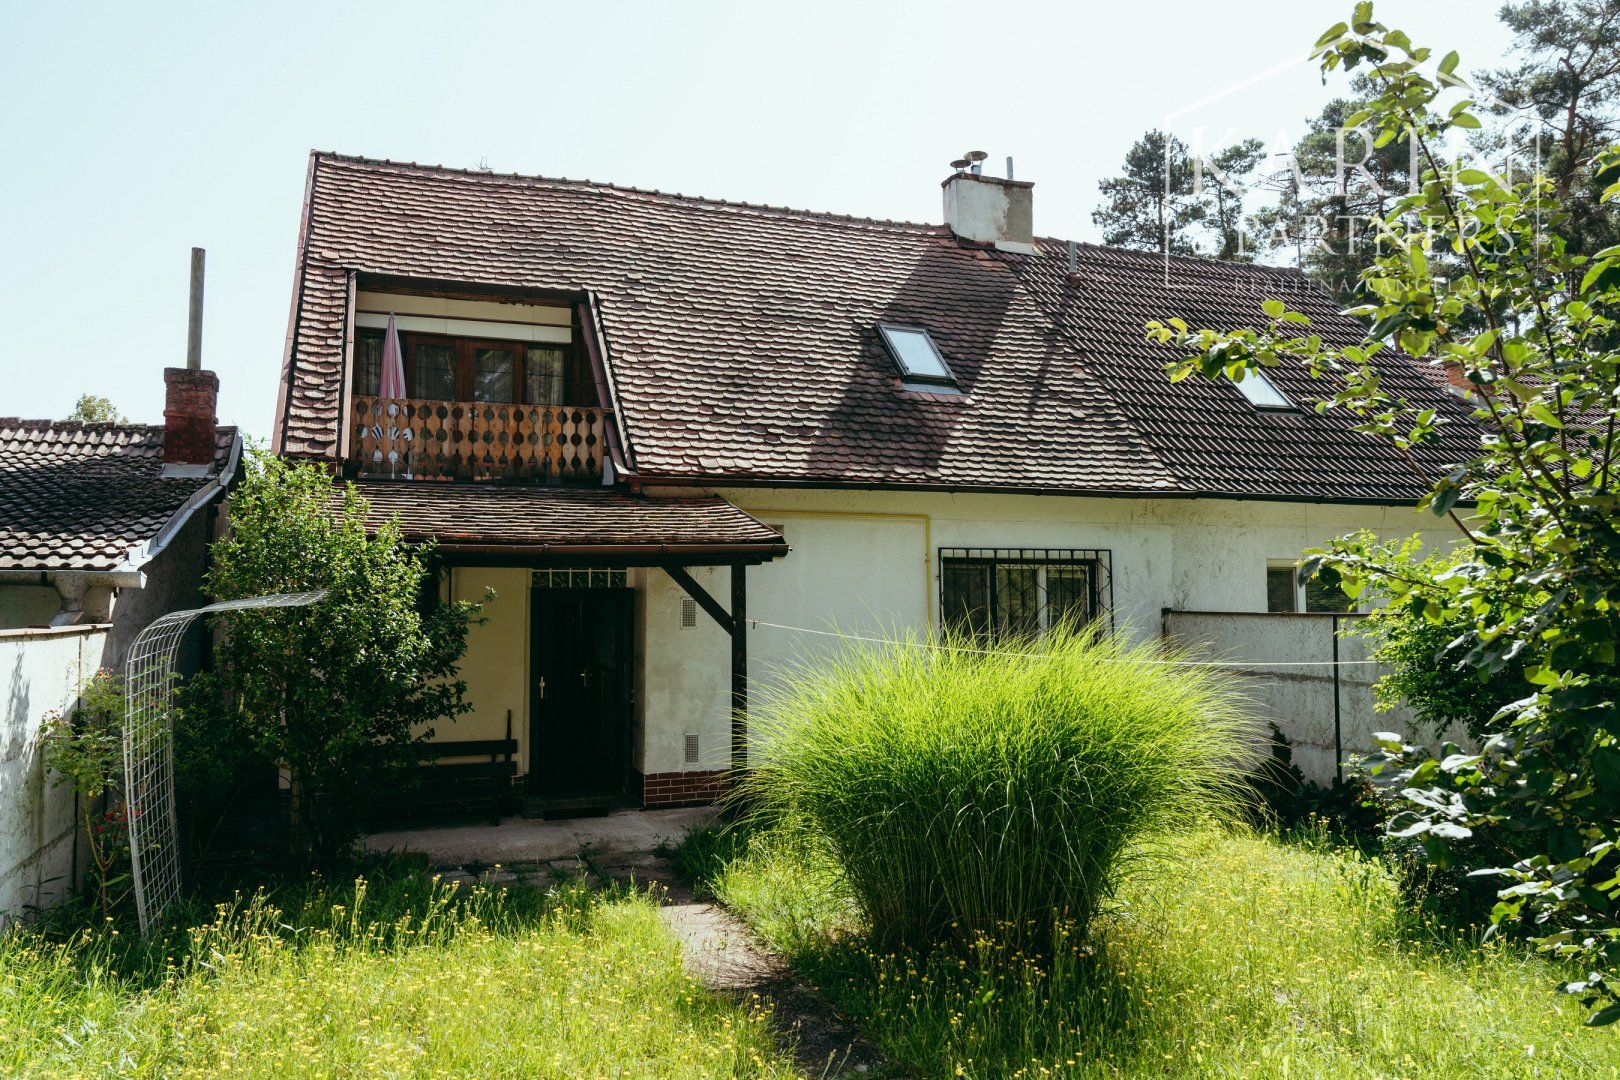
440 368
431 370
368 350
544 371
494 374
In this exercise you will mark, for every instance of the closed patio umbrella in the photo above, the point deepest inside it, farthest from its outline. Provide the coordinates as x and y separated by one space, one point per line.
393 364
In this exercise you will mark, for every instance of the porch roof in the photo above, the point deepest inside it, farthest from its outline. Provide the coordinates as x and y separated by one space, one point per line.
571 524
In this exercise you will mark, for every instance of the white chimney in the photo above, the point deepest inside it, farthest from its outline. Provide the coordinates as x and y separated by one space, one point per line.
989 210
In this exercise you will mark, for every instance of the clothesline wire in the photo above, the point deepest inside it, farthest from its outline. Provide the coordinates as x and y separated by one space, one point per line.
757 623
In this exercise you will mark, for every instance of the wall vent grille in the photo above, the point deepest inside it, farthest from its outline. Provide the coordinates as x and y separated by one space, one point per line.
692 755
688 611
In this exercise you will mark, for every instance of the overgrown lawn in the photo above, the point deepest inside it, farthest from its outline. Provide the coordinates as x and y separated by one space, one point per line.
398 978
1248 957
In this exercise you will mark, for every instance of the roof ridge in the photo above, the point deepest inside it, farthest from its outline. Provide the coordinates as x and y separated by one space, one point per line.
704 200
1208 261
17 423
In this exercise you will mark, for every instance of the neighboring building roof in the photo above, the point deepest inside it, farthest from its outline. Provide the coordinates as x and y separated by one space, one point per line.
91 496
563 520
743 346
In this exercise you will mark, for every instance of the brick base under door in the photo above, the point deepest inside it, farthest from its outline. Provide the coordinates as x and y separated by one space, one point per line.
695 788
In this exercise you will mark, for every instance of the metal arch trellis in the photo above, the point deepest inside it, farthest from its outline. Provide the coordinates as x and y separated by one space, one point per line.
149 678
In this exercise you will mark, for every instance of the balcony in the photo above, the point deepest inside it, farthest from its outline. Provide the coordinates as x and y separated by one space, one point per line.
421 439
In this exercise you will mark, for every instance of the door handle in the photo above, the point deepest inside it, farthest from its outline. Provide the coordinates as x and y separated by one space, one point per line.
585 677
542 686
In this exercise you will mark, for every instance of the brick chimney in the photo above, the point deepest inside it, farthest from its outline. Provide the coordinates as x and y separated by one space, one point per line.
190 400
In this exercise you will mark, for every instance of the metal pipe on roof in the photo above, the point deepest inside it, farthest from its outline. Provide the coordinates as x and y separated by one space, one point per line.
194 324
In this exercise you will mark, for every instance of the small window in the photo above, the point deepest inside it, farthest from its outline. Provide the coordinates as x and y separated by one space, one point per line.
916 355
368 350
544 374
435 372
1325 598
1285 595
1262 392
1282 594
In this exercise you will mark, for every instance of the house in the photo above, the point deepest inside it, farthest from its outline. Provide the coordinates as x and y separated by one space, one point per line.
684 439
103 528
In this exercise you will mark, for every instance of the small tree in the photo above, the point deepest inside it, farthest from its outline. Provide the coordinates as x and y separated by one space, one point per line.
1532 324
91 409
84 747
340 695
1425 673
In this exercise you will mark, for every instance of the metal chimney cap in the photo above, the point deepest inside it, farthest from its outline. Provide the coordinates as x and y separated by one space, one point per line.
975 155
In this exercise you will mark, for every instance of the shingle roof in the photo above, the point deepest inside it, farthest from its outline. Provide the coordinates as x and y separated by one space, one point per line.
80 496
743 347
564 518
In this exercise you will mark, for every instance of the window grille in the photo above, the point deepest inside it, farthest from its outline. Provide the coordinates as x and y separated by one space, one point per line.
580 577
1020 592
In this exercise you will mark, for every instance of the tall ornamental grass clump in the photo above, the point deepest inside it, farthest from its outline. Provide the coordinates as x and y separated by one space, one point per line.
966 791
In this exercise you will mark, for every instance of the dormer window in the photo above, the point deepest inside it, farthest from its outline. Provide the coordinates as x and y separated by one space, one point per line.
917 357
1262 392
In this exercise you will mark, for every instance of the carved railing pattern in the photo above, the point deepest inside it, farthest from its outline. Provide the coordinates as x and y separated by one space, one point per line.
467 440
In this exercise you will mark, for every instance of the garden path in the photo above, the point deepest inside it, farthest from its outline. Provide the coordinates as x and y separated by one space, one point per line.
719 951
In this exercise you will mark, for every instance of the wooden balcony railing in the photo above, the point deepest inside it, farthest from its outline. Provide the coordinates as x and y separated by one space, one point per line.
466 440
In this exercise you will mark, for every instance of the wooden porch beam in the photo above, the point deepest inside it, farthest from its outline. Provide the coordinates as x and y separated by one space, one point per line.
701 595
739 671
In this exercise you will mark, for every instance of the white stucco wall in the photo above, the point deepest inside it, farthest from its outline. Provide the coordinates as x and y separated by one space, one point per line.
27 605
1299 699
40 671
864 561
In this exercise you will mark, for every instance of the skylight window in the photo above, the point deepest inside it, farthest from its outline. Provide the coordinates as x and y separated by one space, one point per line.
1262 392
916 355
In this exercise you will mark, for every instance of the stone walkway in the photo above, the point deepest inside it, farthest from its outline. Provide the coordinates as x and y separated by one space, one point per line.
719 951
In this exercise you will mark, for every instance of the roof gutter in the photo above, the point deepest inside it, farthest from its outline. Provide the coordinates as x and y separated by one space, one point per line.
712 482
590 328
769 551
144 552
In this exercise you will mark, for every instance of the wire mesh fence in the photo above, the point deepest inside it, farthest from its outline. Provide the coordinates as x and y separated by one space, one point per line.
149 679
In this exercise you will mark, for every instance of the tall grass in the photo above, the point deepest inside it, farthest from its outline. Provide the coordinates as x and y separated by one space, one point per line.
1254 958
1007 792
388 976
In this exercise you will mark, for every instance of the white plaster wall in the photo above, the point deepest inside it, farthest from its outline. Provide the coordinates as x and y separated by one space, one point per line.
684 675
1299 699
40 671
864 561
27 605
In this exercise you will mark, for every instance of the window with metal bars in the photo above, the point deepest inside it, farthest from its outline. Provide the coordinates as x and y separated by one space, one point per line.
1023 592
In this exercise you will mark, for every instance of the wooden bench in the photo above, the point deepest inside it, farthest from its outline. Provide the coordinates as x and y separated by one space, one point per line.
456 788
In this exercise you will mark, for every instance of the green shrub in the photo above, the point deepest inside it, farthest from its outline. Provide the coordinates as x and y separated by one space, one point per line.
966 792
84 749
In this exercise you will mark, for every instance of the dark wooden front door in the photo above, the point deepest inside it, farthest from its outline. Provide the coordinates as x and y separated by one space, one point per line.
580 711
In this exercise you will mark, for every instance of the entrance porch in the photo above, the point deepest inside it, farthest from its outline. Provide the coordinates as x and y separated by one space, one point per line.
605 674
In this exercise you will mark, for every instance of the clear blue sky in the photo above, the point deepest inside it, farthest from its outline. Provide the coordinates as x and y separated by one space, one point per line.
132 131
